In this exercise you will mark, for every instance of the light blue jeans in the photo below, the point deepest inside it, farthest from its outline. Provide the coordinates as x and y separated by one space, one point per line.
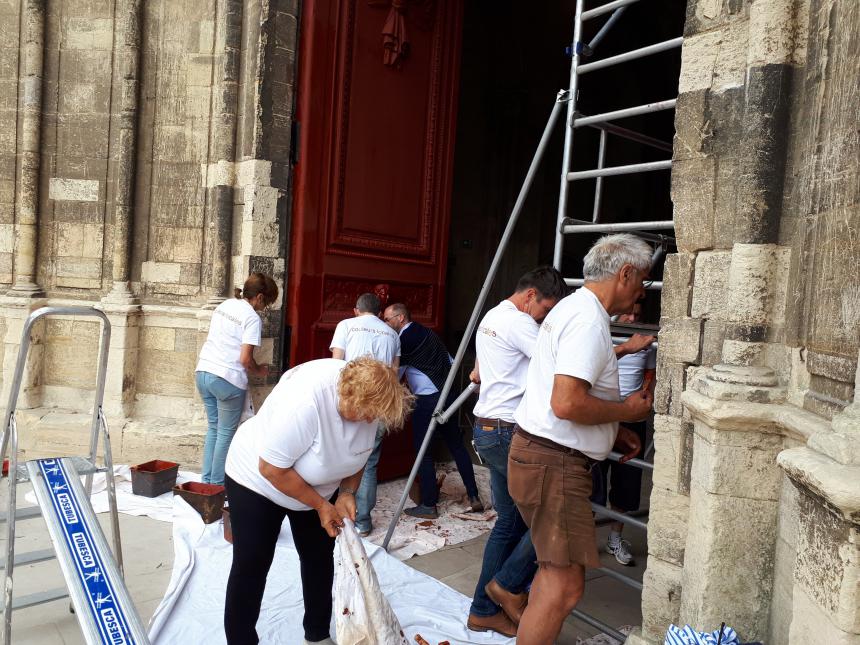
365 496
223 402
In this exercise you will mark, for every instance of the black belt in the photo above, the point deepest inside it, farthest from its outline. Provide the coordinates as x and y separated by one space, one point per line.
494 423
552 445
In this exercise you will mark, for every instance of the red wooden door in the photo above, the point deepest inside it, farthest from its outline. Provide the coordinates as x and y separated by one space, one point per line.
372 181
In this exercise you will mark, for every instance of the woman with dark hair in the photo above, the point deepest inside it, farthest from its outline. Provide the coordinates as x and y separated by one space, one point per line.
226 361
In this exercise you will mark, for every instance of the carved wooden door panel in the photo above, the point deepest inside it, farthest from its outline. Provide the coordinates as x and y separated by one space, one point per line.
376 111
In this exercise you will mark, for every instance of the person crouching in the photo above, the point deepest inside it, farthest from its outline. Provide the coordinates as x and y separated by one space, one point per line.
301 457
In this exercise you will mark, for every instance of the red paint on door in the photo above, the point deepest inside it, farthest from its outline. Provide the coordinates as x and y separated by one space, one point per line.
373 177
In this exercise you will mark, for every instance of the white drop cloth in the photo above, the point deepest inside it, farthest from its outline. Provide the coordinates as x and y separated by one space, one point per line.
193 607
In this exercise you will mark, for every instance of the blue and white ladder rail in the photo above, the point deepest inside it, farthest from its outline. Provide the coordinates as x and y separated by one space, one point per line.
101 601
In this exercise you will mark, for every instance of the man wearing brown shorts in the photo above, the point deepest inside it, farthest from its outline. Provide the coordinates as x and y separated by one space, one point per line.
567 420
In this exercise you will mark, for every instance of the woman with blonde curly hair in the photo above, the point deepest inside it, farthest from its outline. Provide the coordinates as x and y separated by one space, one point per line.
302 457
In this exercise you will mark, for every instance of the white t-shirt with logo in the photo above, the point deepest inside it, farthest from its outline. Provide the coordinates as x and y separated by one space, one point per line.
504 344
234 323
366 335
298 426
573 340
631 370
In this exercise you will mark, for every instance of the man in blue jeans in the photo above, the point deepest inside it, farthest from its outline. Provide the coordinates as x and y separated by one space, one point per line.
425 364
504 343
366 335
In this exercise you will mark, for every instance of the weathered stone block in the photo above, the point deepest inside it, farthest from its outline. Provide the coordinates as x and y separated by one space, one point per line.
693 189
680 339
168 373
671 379
661 598
160 271
161 338
677 285
744 468
667 526
79 272
692 129
828 562
74 190
809 624
714 59
728 562
783 587
704 15
668 445
713 336
710 286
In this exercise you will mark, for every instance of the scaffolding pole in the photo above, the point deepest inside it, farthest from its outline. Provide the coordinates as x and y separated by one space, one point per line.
479 303
598 185
564 188
611 6
630 169
656 48
638 110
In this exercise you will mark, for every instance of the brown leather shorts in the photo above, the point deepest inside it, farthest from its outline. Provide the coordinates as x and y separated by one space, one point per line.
551 486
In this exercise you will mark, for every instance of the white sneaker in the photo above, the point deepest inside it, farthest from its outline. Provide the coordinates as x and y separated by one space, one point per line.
621 550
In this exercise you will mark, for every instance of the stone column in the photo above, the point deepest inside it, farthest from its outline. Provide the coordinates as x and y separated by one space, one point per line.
26 295
222 146
31 67
735 481
120 304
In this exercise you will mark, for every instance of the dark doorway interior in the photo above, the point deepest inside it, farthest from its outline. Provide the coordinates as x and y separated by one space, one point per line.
513 65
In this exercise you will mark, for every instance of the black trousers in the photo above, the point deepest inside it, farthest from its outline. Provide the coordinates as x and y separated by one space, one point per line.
625 481
256 522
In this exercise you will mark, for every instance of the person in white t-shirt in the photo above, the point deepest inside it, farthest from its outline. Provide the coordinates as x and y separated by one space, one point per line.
568 419
367 335
226 360
301 457
636 371
504 343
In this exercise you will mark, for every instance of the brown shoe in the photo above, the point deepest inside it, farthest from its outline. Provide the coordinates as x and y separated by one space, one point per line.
513 604
498 623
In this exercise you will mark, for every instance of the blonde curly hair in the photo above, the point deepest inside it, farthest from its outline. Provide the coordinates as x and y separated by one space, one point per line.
369 389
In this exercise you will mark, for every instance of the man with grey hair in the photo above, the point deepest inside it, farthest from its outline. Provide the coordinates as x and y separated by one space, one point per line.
366 335
567 420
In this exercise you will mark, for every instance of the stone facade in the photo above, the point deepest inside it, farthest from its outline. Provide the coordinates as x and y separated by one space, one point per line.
144 170
144 155
755 510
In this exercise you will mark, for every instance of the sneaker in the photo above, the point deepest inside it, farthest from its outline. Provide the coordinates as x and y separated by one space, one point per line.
363 531
621 550
424 512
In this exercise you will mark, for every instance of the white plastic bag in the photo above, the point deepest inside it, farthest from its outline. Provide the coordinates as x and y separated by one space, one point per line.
362 614
247 407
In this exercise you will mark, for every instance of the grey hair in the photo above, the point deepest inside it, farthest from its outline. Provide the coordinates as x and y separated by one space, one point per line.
368 303
611 252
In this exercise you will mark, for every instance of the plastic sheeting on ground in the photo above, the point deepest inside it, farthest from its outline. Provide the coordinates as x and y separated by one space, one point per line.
193 607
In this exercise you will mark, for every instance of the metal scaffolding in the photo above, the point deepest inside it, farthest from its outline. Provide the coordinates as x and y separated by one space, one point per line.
569 226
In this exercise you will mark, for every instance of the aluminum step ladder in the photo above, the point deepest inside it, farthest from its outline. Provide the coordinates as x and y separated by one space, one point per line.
93 575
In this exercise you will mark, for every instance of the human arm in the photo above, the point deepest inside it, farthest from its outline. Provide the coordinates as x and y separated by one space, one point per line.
649 380
636 343
246 358
571 400
345 503
396 362
338 353
291 484
475 374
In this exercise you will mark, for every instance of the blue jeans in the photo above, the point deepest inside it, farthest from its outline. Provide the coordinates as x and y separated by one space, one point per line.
223 402
450 433
509 555
365 496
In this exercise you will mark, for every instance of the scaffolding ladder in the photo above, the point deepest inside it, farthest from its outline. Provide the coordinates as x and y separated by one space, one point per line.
93 575
649 230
